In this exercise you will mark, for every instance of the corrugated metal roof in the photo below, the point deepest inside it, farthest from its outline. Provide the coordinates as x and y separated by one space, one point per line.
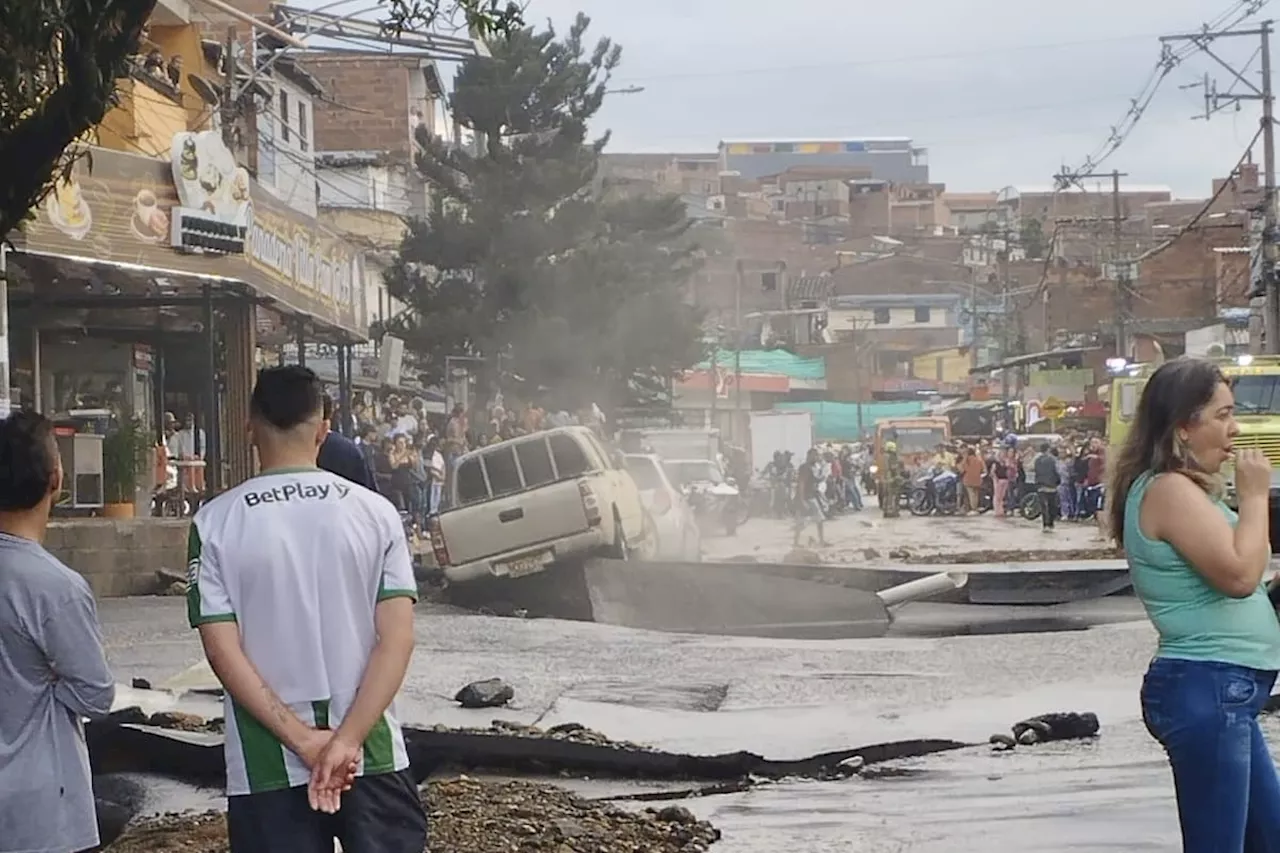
776 361
809 287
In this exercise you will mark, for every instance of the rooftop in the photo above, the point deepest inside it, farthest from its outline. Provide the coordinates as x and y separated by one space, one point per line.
814 140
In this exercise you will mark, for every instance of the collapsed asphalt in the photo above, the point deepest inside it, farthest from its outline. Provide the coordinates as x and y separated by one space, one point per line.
786 698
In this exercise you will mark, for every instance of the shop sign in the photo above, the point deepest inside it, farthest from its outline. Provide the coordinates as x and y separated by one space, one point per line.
120 210
323 269
214 191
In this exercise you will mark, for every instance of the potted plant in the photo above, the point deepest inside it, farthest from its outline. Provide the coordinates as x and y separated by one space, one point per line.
125 452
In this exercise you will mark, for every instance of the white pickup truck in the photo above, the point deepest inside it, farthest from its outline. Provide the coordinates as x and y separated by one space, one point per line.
518 506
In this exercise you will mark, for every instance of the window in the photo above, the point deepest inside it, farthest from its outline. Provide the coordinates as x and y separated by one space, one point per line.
571 460
922 315
881 316
470 478
302 126
504 476
535 463
645 472
769 282
266 151
284 116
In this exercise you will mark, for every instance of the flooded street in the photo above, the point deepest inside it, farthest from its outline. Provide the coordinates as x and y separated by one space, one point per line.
790 699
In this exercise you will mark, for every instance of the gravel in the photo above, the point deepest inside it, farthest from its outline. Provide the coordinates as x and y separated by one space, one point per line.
475 816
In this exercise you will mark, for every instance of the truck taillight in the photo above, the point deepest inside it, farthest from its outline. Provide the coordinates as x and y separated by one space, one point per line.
661 502
438 547
590 503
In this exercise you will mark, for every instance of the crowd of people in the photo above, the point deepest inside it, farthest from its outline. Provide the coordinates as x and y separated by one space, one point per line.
407 452
1065 473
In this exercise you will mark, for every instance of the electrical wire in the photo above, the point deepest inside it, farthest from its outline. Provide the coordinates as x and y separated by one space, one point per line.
1208 205
1170 59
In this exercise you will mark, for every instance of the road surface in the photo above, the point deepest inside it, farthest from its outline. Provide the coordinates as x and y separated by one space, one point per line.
869 537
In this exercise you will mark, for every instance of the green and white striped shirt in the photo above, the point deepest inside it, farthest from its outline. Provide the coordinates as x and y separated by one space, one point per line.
299 559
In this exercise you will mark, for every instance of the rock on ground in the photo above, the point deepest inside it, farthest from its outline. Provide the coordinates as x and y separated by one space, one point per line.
471 816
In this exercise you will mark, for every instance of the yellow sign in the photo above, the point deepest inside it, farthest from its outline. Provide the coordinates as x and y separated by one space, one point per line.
1053 408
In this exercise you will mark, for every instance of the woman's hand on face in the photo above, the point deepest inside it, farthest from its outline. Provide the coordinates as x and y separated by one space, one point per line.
1253 474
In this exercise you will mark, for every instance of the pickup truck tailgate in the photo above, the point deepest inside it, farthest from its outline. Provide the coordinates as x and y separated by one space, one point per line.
515 522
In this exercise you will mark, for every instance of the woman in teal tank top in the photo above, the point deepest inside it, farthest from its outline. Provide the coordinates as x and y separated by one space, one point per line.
1197 567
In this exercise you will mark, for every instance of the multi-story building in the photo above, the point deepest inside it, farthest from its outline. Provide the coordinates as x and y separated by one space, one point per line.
888 158
366 139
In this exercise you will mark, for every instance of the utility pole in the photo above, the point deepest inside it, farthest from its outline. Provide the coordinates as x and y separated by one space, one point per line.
1120 266
737 352
228 106
1215 101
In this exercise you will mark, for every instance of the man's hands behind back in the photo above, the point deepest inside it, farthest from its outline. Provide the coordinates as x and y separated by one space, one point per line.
333 766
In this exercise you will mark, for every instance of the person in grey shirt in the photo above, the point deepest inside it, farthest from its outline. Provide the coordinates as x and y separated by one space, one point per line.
53 672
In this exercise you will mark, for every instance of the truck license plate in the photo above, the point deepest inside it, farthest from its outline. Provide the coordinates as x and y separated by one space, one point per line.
523 566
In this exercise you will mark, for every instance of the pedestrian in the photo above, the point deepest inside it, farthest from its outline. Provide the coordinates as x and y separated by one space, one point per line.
53 672
971 472
301 586
1045 469
342 456
999 481
891 479
1197 566
808 503
1066 489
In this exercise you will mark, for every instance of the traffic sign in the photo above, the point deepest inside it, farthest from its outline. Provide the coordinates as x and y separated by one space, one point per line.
1053 408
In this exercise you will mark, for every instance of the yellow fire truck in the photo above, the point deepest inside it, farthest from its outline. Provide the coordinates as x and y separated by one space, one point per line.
1256 382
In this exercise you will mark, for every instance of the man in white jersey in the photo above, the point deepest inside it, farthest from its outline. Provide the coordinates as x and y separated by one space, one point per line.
301 585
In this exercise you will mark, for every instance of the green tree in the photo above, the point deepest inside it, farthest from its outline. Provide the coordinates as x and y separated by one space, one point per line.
481 18
1032 237
526 259
59 62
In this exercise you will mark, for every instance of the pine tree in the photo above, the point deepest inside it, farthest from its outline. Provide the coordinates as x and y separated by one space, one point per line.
526 259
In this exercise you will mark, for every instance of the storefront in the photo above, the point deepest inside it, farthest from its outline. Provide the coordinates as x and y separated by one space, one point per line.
143 287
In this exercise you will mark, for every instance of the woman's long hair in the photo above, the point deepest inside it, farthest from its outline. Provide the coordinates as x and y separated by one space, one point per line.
1173 397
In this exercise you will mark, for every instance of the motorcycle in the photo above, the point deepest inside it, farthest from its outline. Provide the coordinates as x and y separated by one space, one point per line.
935 491
718 502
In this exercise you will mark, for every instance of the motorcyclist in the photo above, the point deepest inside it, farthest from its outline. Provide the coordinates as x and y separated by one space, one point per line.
891 480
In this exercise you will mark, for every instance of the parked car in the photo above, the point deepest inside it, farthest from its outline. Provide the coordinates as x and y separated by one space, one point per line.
674 525
519 506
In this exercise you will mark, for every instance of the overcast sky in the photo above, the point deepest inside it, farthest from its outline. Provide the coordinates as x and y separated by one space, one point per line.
1001 92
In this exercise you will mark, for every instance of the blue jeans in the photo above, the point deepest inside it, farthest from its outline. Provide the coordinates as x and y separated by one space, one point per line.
1205 714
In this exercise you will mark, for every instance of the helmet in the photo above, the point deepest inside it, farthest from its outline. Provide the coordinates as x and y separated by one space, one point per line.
891 447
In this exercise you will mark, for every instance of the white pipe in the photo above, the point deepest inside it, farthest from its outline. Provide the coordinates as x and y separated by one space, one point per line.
245 17
925 587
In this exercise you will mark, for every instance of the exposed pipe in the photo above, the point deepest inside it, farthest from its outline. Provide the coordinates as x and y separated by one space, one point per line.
925 587
232 11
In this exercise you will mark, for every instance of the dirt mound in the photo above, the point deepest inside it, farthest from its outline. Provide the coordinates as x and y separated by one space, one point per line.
470 816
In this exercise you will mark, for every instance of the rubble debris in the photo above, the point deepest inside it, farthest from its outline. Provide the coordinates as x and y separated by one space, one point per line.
1047 728
504 747
472 816
490 693
140 684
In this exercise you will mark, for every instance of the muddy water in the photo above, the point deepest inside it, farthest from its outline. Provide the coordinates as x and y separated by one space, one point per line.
789 699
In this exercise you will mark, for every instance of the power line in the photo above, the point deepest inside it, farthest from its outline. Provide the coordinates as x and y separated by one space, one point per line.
896 60
1170 58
